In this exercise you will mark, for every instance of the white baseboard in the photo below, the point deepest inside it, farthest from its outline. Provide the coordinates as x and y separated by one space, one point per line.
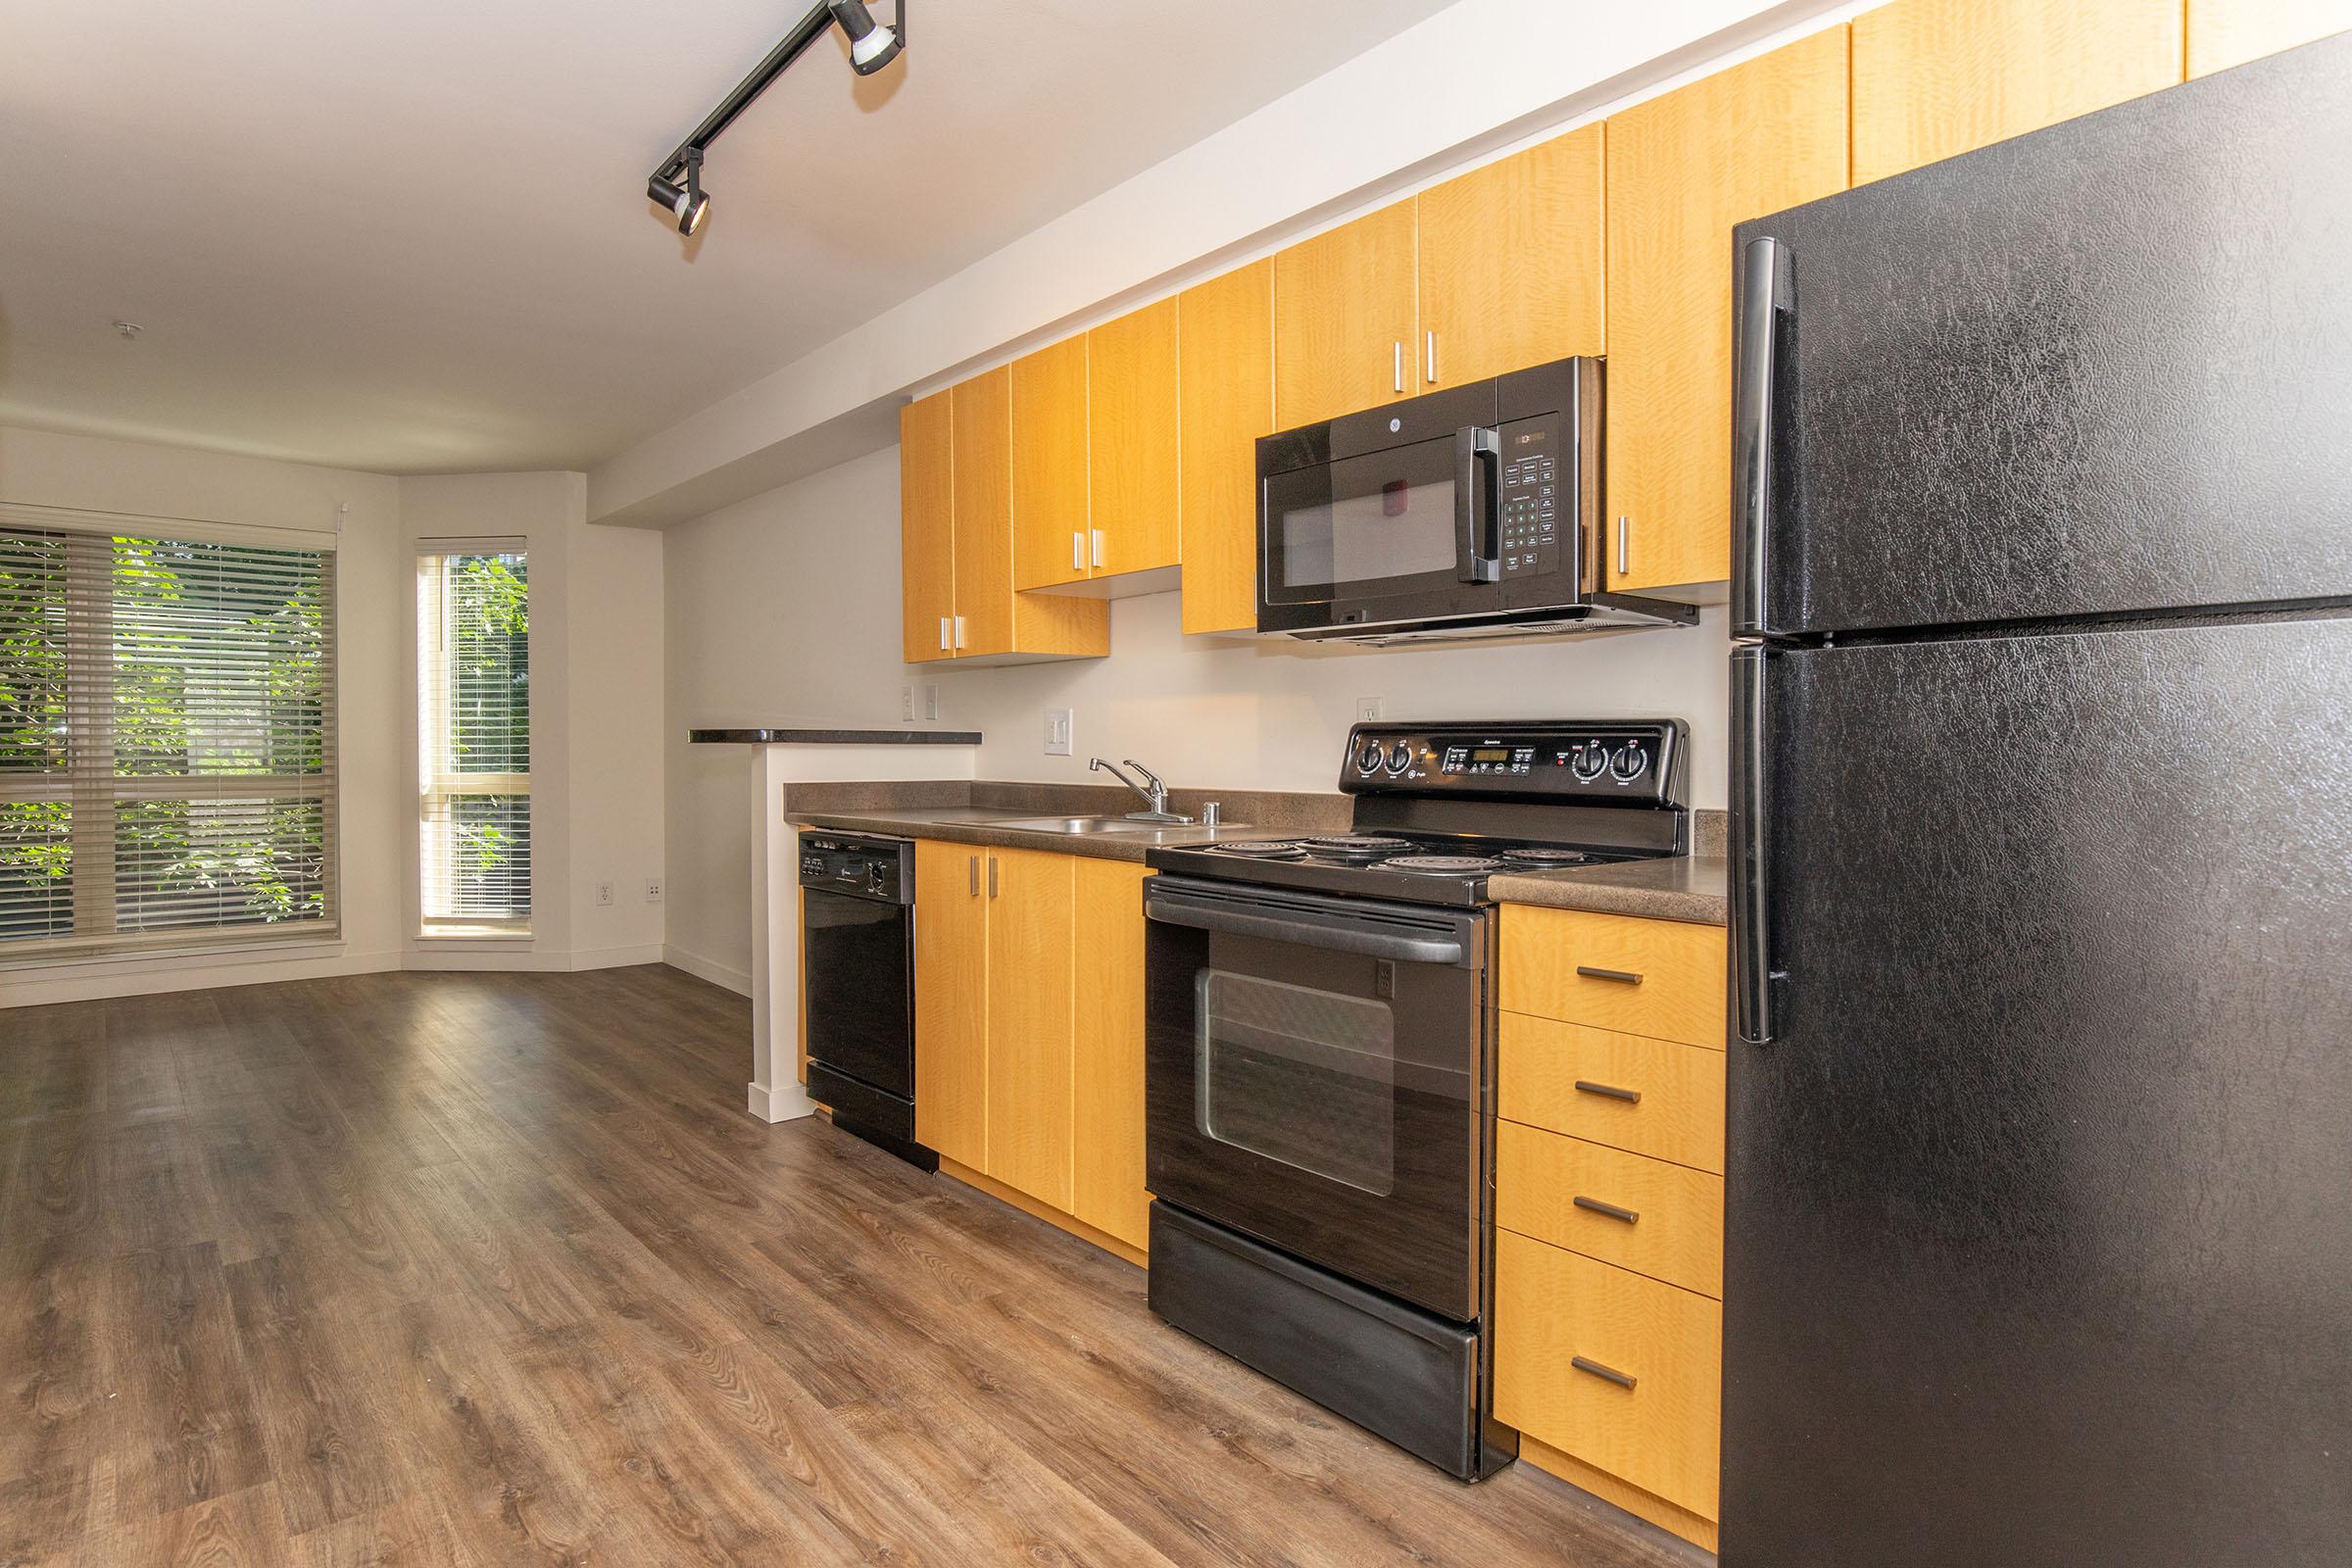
100 981
789 1103
702 968
617 957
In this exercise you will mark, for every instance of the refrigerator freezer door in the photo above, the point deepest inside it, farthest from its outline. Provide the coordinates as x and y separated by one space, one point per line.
2102 368
2040 1203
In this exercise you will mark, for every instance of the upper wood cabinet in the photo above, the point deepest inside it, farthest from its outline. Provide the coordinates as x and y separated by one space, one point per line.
1132 442
983 489
2230 32
951 1001
1107 1077
1225 352
927 528
1032 934
1934 79
1050 481
1511 261
1682 168
1344 318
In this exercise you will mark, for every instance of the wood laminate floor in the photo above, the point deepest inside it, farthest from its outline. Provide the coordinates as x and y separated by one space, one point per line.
484 1269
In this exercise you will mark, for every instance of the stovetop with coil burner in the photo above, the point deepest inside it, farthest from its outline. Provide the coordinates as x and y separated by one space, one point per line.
1440 807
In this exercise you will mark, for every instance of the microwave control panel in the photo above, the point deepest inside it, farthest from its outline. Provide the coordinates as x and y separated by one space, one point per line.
1632 761
1529 504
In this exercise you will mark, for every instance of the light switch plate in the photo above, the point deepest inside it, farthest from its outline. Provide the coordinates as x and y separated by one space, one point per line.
906 704
931 702
1057 731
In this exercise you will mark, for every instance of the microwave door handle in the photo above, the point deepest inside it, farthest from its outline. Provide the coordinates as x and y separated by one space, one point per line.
1767 298
1475 503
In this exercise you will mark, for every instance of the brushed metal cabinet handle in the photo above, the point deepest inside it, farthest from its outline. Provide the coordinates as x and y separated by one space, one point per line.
975 893
1632 1097
1621 976
1610 1210
992 876
1625 528
1396 363
1077 551
959 637
943 635
1430 347
1607 1374
1097 537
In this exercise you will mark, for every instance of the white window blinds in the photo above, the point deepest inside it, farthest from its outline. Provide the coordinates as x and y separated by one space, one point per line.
167 742
473 683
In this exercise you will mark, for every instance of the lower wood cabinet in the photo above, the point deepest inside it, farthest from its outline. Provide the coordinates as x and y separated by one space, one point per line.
1029 1028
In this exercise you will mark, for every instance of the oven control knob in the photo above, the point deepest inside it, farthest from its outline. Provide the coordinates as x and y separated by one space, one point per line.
1629 763
1367 761
1400 758
1588 761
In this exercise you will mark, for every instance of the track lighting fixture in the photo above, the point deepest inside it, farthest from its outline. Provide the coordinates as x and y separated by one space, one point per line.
676 186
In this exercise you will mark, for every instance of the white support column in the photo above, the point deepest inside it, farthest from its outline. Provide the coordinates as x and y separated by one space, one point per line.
777 1093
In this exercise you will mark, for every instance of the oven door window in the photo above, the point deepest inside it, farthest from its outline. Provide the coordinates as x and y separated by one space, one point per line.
1303 1076
1364 527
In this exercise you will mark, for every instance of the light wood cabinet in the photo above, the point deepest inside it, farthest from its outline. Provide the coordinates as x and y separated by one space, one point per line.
1049 475
1934 79
1649 1097
1344 318
951 1001
1510 264
1107 1155
927 528
1660 978
1682 168
1225 356
1132 440
1031 935
2230 32
1649 1216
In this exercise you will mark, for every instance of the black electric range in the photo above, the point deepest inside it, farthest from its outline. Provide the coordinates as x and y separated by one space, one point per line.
1439 809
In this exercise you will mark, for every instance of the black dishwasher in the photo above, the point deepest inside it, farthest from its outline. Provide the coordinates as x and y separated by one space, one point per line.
858 945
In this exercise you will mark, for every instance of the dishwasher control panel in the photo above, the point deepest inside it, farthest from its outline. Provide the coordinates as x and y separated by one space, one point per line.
861 866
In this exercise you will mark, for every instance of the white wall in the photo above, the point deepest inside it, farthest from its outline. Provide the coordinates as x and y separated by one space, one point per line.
88 473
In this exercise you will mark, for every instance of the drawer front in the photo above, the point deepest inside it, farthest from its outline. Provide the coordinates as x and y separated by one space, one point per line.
1658 1219
1661 978
1664 1433
1653 1097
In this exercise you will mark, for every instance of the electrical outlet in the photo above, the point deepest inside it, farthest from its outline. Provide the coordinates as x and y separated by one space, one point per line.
931 702
906 704
1057 732
604 894
1367 709
653 890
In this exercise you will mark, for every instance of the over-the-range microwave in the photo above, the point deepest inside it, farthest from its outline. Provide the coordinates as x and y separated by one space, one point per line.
1474 512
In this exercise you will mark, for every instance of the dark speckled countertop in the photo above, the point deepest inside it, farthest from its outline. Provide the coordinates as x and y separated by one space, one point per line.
1682 888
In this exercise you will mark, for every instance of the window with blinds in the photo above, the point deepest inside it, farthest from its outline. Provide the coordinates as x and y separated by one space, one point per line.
473 683
166 742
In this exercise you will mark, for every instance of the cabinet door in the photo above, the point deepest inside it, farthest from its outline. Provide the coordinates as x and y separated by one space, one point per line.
927 529
1106 1175
1934 79
1344 318
983 489
1511 264
1225 352
1131 440
951 1000
1031 932
2230 32
1050 466
1682 168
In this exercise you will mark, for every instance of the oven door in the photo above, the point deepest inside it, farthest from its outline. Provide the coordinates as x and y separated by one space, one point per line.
1410 531
1317 1078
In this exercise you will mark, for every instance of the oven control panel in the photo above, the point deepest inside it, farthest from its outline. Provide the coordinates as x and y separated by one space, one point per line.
859 866
1633 761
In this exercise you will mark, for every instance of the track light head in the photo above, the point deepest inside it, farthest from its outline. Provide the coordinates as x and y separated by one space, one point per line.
687 203
872 45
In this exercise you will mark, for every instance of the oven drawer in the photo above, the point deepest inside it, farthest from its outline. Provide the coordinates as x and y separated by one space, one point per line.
1662 1220
1552 1308
1661 978
1653 1096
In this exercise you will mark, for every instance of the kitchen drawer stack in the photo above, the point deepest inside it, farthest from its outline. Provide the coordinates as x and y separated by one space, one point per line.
1608 1190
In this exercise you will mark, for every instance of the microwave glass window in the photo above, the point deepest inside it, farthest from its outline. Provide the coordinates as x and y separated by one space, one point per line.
1298 1075
1399 528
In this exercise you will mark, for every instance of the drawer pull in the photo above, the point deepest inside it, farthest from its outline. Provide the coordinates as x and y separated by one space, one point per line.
1611 1209
1618 975
1607 1374
1632 1097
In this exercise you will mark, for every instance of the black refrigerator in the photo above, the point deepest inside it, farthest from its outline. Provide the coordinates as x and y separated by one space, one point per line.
2040 1198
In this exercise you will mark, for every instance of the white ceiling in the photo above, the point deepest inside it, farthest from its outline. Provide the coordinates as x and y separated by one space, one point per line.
411 235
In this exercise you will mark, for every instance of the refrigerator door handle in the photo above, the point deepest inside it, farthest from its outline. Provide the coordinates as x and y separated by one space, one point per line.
1767 294
1752 975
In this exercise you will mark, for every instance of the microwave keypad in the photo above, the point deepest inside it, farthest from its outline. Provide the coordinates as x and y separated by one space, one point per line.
1531 540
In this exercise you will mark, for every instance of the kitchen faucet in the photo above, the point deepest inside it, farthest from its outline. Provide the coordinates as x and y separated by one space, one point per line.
1157 797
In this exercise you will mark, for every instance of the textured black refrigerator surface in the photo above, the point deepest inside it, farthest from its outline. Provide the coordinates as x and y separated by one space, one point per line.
2039 1213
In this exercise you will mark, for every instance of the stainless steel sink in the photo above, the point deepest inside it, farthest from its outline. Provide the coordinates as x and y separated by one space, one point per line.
1084 824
